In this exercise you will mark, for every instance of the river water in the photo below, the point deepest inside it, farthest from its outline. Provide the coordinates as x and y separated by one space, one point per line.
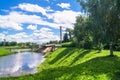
22 63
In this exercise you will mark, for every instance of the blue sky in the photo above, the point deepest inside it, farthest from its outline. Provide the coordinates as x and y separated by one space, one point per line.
36 20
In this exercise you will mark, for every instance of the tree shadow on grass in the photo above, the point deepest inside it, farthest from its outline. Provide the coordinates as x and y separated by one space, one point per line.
94 67
81 55
65 53
116 75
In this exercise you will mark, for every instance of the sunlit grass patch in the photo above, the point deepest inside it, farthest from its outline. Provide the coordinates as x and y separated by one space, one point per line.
4 51
77 64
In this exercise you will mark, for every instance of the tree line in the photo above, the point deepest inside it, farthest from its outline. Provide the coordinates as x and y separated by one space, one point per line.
20 44
99 28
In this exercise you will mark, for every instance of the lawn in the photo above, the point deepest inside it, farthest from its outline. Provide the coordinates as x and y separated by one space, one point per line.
77 64
4 51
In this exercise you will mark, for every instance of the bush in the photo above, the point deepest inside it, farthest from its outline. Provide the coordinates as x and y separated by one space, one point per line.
117 46
69 44
88 45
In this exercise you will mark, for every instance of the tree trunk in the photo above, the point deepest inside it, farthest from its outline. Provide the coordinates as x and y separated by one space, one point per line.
111 49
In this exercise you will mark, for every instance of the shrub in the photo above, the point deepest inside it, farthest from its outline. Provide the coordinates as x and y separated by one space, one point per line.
69 44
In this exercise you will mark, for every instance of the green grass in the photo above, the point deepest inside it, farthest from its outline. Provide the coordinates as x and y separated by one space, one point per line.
76 64
68 44
14 47
4 51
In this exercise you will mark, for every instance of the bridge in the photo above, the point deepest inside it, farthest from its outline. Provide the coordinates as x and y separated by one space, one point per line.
47 48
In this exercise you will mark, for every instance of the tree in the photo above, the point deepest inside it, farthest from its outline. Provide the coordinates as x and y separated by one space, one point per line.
82 32
106 16
69 33
13 43
65 38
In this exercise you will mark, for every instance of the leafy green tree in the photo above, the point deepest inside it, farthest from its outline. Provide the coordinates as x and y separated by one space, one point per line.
65 38
106 17
13 43
83 33
70 32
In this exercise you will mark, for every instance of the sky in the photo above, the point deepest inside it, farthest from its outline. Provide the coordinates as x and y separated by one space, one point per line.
36 20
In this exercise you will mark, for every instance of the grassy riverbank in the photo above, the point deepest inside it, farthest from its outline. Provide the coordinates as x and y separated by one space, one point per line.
77 64
15 47
4 51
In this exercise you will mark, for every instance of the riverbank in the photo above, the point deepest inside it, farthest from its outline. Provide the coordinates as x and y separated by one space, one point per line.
7 50
4 51
76 64
15 47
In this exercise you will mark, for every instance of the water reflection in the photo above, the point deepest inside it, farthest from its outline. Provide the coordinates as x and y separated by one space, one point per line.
20 64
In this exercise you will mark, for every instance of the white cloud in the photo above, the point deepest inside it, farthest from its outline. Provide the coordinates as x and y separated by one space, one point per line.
48 9
45 35
16 20
41 36
32 8
64 18
45 29
6 23
19 37
2 36
64 5
32 27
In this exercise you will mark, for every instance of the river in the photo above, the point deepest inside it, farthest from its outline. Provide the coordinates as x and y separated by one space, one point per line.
22 63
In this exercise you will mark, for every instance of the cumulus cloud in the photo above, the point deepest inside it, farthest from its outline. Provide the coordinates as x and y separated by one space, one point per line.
32 8
41 36
16 20
2 36
17 36
64 5
32 27
48 9
65 18
45 29
45 35
6 23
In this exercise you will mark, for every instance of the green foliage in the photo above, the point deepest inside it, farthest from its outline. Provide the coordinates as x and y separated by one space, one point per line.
70 33
65 38
117 45
103 23
68 44
53 42
83 33
6 43
76 64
